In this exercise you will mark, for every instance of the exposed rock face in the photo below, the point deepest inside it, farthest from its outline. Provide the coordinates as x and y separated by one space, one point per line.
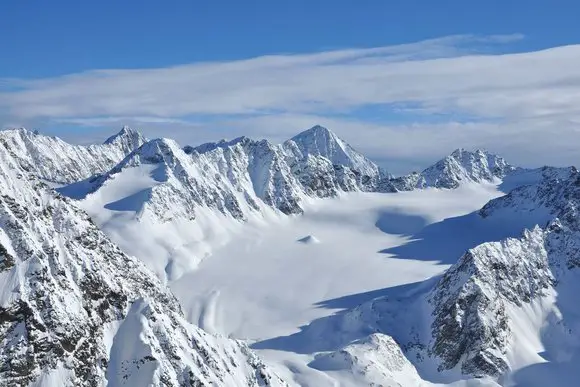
56 161
471 324
257 169
75 306
460 167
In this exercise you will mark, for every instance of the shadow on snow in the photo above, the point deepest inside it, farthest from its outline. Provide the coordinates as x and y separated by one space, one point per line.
447 240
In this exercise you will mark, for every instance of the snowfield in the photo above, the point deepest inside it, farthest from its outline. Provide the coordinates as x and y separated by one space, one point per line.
264 279
245 263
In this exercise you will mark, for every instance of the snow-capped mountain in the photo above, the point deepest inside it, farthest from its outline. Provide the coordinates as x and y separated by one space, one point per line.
181 195
256 169
504 300
552 194
240 176
57 161
504 307
459 167
320 141
75 310
314 163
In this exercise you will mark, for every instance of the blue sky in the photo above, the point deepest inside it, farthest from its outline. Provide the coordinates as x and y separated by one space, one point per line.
60 37
403 81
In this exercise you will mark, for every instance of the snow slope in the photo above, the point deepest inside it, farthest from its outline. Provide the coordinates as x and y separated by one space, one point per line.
265 287
505 313
422 287
75 310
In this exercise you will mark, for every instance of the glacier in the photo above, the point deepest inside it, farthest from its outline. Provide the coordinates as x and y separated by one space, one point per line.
248 263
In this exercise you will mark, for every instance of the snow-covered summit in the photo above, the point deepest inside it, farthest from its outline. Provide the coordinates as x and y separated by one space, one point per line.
320 141
464 166
173 184
127 139
460 167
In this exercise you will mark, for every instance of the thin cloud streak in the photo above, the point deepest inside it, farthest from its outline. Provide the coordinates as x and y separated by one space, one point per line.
328 81
452 92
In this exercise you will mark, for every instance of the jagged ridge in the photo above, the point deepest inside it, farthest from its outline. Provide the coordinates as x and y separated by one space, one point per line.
54 160
458 168
242 176
76 309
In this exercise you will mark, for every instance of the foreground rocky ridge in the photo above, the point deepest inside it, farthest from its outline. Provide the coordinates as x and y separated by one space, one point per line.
77 311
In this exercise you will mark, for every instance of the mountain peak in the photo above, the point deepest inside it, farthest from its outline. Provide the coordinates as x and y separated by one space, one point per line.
461 166
457 152
321 141
126 135
465 166
22 132
317 131
462 152
157 150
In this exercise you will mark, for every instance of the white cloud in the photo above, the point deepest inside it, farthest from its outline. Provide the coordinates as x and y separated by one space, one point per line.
331 80
452 91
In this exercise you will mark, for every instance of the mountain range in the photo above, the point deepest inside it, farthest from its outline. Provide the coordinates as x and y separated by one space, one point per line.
92 239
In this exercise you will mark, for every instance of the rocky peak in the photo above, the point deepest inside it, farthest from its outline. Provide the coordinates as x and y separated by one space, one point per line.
127 139
460 167
465 166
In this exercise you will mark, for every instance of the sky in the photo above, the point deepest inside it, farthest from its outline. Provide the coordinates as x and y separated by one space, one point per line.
403 82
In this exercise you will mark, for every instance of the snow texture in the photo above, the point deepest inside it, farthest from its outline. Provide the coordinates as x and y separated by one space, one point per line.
367 287
77 311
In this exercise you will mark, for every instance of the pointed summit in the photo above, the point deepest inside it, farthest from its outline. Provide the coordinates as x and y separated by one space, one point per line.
129 139
320 141
317 134
466 166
